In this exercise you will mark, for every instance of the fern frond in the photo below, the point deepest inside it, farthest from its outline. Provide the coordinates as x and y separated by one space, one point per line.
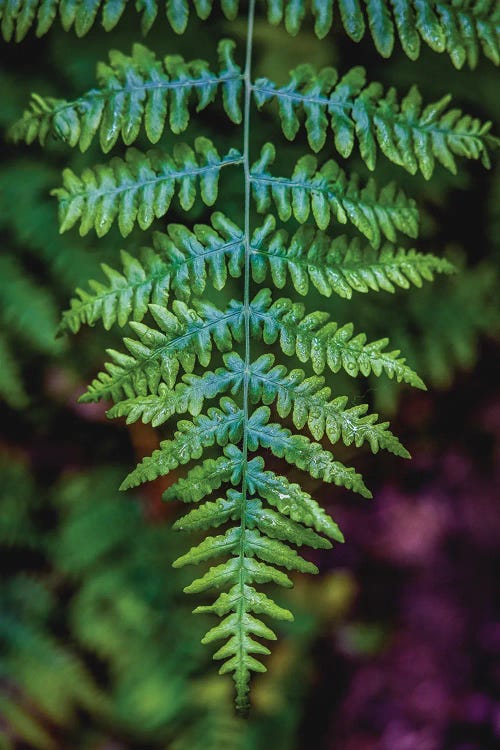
307 399
134 92
11 388
313 337
141 187
125 296
407 133
338 266
27 308
301 452
258 542
225 425
180 262
229 508
183 260
17 17
327 193
185 336
239 624
217 426
208 476
187 396
229 406
289 499
309 402
460 27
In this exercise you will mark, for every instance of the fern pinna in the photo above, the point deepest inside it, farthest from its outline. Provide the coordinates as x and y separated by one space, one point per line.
193 357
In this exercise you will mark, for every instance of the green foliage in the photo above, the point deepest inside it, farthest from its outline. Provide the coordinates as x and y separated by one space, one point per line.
22 301
462 28
36 669
408 134
451 321
328 193
134 92
17 16
140 187
182 261
339 266
11 389
186 311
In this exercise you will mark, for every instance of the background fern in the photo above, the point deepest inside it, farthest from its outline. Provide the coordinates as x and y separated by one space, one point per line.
373 232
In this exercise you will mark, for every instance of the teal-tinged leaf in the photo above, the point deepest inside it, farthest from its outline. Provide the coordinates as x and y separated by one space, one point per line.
327 193
140 188
322 342
17 17
338 266
219 426
290 499
301 452
309 401
351 108
454 26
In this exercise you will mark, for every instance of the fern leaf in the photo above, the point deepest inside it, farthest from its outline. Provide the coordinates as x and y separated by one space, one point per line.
208 476
407 133
218 426
239 627
140 188
180 261
224 425
328 193
299 451
214 252
185 336
178 11
462 28
340 265
126 296
290 499
313 337
272 524
259 533
261 546
308 399
134 92
260 518
260 536
17 17
187 396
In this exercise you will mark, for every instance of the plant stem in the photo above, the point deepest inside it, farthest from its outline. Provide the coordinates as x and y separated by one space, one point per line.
241 699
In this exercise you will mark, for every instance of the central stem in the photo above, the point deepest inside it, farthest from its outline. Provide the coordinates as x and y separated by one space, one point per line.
241 700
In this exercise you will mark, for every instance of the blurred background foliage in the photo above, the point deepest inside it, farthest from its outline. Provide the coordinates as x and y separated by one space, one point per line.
396 646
